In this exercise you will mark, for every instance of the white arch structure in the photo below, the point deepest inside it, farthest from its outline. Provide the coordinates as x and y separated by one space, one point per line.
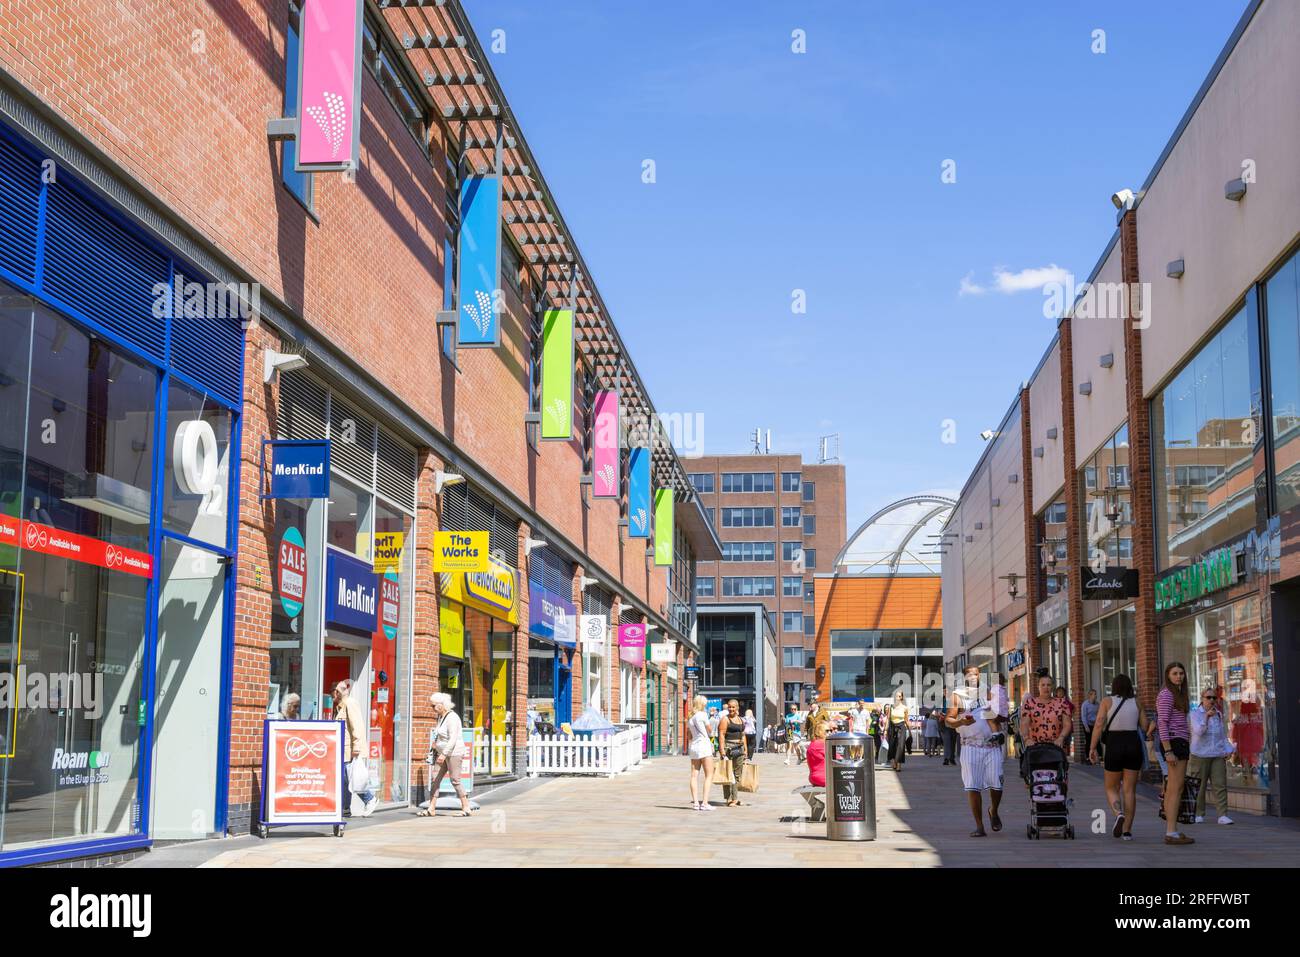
882 547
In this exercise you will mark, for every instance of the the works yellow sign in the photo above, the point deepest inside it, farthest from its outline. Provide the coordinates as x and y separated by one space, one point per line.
460 552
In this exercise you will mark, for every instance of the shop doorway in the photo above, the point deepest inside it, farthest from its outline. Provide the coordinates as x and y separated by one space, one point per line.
345 661
563 687
187 704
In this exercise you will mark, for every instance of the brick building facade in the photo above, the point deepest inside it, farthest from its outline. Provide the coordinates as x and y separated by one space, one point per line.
143 160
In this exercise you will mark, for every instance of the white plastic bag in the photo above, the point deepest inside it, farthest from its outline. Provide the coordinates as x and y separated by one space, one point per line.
358 775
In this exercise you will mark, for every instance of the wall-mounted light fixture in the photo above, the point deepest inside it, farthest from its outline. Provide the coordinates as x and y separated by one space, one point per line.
275 362
441 479
531 543
1013 478
1039 451
997 502
979 526
1234 190
585 582
1085 388
1107 360
970 538
1052 433
1175 269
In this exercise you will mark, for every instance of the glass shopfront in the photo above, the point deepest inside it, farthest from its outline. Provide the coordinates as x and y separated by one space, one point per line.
115 601
1225 648
873 664
1054 655
1110 644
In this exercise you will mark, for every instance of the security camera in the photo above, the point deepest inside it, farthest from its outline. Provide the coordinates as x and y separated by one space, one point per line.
1122 199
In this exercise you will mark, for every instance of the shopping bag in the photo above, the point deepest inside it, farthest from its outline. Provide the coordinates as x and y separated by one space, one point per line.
749 777
358 775
722 772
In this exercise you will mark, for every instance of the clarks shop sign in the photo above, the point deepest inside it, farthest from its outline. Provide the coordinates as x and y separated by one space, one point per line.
1218 569
1112 584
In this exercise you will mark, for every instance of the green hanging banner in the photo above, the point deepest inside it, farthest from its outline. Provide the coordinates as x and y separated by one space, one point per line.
557 374
663 526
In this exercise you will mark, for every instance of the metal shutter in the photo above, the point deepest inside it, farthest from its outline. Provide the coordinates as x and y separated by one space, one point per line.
597 601
552 571
302 411
395 470
465 509
629 616
352 442
20 187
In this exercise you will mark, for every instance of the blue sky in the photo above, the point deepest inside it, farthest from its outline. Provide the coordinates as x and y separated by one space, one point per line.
821 171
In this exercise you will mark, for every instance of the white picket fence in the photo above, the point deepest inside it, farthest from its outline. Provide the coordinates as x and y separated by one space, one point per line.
607 755
495 752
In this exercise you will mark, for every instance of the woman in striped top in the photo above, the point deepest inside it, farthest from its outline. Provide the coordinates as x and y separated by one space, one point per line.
1171 719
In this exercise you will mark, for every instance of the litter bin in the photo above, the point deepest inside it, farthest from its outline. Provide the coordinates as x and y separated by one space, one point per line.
850 787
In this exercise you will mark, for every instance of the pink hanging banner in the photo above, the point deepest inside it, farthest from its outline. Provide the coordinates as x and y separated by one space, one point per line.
329 85
605 479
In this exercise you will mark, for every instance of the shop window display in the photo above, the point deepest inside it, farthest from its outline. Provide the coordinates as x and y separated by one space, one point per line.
1223 648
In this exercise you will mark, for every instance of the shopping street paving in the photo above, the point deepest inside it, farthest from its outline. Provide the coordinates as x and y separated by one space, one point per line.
643 819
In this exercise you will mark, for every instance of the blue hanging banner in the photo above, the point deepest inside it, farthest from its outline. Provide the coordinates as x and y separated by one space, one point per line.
297 469
478 258
638 493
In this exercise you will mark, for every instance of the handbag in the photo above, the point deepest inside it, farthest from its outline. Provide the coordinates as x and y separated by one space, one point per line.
749 777
722 772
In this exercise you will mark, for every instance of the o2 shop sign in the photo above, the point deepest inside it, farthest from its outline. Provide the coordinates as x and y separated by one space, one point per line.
196 463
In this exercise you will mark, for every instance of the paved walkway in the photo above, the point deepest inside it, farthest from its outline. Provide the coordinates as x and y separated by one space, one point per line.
642 819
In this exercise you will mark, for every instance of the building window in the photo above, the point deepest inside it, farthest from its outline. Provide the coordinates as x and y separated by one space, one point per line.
705 587
749 551
1107 507
810 524
748 517
809 626
1282 311
873 664
702 482
792 621
727 648
709 514
790 481
810 558
749 586
1197 425
299 184
809 593
791 586
790 551
790 516
748 482
1052 548
792 657
385 65
810 491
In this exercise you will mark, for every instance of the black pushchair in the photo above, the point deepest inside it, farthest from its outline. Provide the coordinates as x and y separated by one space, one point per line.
1046 773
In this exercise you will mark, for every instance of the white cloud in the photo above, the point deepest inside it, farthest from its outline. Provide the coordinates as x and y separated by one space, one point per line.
1009 283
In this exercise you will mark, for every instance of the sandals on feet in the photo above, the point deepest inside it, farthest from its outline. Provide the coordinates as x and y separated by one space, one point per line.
995 822
424 812
979 833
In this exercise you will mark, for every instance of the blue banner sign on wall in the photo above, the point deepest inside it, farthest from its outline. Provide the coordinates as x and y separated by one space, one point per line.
551 616
352 592
297 469
638 493
479 262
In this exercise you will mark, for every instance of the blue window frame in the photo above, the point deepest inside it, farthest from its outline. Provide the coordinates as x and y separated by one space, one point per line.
299 184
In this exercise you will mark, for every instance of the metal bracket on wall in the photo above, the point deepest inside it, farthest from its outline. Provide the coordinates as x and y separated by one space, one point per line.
282 128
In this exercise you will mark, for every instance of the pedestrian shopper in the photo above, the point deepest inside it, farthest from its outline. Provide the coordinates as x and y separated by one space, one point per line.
751 731
289 707
700 750
354 736
1044 718
981 759
898 731
1088 715
732 742
1116 740
948 735
817 756
932 733
1210 748
1063 695
446 753
1175 745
